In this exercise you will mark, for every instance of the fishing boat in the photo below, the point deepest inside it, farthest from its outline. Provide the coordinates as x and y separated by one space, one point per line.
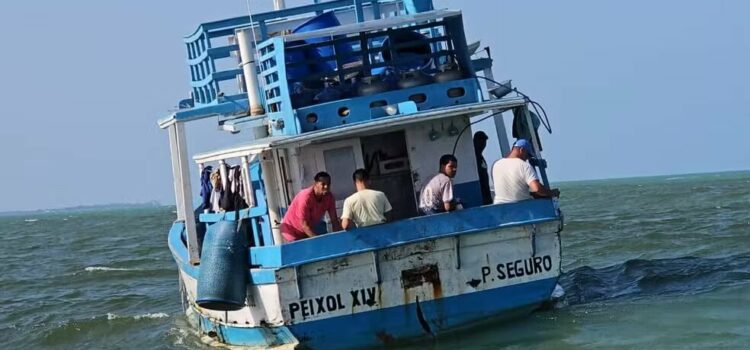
334 86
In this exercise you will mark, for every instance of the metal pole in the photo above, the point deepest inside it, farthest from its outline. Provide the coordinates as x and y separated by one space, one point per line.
535 142
182 188
247 58
278 5
248 184
272 194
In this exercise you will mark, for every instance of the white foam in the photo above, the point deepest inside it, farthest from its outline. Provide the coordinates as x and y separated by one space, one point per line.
31 220
153 316
104 268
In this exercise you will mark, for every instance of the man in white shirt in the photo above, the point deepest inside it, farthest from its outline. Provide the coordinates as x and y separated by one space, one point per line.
437 195
514 178
365 207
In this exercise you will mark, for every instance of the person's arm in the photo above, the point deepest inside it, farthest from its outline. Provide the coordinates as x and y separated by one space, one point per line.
387 209
448 202
539 191
448 206
346 223
306 229
306 218
535 186
335 223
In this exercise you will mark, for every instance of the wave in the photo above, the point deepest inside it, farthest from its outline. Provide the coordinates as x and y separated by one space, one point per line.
152 316
645 278
104 268
31 220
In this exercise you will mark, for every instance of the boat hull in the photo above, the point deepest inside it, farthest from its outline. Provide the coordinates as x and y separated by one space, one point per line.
395 294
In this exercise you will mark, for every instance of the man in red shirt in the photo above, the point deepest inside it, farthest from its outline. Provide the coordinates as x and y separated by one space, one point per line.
308 208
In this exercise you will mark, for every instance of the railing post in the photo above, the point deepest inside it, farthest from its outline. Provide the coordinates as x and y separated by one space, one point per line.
268 172
358 11
248 181
537 149
182 188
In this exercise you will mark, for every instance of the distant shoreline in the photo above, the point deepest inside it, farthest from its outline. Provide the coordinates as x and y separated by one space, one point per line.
647 177
87 208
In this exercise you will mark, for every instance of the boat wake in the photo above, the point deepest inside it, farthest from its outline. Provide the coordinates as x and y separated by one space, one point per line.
639 278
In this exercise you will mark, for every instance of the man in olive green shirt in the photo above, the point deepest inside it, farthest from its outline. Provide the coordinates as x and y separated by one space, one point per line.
365 207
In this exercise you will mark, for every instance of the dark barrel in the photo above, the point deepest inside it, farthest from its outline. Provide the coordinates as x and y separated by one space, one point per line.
322 21
222 280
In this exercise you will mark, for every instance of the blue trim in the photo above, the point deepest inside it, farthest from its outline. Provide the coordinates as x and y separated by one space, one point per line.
384 326
473 220
269 258
360 110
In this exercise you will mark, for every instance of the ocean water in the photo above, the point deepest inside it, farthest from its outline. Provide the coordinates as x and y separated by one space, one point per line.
660 262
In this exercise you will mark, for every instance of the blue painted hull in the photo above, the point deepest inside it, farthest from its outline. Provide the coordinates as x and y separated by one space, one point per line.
392 325
434 275
395 324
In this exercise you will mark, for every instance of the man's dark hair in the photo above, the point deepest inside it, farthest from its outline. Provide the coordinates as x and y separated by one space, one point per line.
360 175
447 158
319 176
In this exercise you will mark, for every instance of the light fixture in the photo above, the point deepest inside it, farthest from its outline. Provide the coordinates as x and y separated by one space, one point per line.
391 109
452 130
434 134
502 89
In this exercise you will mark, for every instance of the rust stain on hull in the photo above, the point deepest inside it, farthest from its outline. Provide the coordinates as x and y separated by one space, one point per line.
385 338
420 275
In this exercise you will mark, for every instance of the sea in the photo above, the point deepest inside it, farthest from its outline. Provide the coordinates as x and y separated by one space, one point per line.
657 263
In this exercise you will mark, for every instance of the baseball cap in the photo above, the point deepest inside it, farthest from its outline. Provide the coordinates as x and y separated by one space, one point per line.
526 145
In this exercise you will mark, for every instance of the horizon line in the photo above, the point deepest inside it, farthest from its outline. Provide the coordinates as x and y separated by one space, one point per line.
158 203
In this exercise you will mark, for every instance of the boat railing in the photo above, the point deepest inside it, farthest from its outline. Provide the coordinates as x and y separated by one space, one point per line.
354 73
542 213
257 213
212 44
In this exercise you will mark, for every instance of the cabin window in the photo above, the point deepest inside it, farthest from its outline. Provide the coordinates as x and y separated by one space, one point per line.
456 92
418 98
378 103
312 118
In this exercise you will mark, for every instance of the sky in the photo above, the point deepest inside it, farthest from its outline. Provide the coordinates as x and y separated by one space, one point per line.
633 88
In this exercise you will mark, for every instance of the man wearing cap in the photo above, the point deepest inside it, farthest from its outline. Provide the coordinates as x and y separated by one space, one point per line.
480 143
515 179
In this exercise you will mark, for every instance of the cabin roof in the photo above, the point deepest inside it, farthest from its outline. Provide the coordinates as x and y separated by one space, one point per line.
349 130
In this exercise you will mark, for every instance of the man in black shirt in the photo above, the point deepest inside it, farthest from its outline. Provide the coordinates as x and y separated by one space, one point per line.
480 142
